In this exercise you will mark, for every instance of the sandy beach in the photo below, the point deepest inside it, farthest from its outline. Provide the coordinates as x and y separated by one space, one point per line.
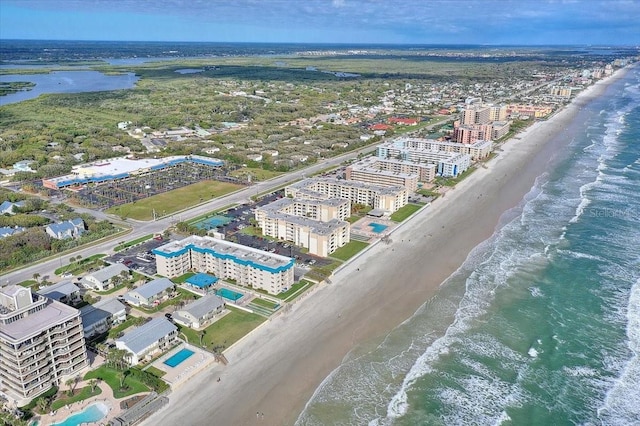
274 371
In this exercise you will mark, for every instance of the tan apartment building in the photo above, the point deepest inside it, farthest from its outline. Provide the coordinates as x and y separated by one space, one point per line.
317 225
536 111
498 113
387 198
247 266
41 344
477 114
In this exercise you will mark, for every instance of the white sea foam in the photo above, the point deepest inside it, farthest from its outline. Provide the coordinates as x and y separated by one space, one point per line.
622 403
536 292
533 353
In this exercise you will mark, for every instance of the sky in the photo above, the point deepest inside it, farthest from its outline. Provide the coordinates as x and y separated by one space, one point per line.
519 22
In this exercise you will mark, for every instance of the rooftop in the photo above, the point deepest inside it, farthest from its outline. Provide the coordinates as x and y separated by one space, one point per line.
313 183
92 314
53 313
203 306
59 290
227 250
138 339
109 272
153 288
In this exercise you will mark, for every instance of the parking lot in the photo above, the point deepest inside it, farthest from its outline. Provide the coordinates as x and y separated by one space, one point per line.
139 258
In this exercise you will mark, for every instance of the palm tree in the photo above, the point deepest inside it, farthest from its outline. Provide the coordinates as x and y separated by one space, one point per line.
36 276
93 383
42 404
69 383
201 334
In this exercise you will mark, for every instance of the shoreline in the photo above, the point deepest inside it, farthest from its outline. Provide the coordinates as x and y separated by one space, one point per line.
278 367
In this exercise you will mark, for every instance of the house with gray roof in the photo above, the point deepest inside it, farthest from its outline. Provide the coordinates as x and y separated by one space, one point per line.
101 316
6 231
150 293
7 207
103 279
64 291
157 335
69 229
201 312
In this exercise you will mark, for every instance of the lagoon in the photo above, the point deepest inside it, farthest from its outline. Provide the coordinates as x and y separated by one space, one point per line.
66 82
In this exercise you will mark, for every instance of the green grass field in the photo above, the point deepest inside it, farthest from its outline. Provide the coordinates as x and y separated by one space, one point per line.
226 331
79 395
404 212
173 201
110 377
349 250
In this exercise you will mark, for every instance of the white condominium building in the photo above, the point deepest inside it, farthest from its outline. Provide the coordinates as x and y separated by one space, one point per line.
449 164
380 171
388 198
317 225
403 147
247 266
41 344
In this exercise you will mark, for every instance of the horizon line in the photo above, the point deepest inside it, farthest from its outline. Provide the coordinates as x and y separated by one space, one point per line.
329 43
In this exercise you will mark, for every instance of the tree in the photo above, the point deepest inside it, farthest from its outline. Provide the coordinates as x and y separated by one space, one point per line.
42 404
201 334
93 383
69 383
36 276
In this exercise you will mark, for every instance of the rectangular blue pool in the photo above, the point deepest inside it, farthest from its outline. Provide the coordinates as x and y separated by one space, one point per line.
229 294
178 358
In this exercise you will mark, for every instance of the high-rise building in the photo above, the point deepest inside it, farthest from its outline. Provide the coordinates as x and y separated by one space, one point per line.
41 343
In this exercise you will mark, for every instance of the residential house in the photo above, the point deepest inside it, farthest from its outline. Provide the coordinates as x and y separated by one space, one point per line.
7 231
70 229
149 293
157 335
7 207
201 312
103 279
64 291
101 316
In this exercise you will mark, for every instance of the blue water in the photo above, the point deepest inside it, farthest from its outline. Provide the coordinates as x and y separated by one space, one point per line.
377 227
229 294
541 325
178 358
66 82
91 414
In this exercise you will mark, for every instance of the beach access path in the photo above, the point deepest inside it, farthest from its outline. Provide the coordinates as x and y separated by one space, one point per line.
276 369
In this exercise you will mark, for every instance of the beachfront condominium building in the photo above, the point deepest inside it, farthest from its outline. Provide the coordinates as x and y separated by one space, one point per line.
390 172
498 113
560 91
448 164
476 114
409 149
387 198
247 266
469 133
317 225
41 344
499 129
535 111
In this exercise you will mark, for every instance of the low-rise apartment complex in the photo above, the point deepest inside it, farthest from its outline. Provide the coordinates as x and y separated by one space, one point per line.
158 335
247 266
41 343
318 225
387 198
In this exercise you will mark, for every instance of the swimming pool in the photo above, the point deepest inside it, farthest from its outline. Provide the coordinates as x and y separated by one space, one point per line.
229 294
91 414
178 358
377 227
212 222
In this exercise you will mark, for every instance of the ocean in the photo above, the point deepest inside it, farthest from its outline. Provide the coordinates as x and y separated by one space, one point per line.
541 324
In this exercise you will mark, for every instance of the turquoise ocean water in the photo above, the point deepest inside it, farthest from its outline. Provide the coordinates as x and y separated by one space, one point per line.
541 325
